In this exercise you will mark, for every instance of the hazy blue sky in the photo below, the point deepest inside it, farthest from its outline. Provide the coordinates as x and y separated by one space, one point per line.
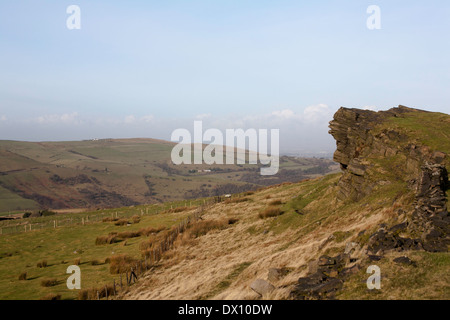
145 68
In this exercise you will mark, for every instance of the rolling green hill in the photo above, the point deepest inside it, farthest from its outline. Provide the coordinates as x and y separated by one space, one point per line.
113 173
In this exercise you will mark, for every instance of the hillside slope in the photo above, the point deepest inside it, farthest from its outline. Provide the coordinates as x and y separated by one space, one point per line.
113 173
315 239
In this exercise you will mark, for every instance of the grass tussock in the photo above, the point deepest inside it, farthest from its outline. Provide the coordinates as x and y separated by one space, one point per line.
42 264
95 262
77 261
23 276
51 296
275 203
121 222
203 227
121 263
96 293
109 239
115 237
236 200
128 234
109 219
49 282
150 230
270 212
179 209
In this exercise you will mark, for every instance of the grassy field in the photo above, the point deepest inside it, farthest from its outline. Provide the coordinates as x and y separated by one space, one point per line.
62 246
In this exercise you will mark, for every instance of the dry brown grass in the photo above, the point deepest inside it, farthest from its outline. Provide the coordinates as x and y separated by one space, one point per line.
275 203
96 262
121 263
270 212
109 219
23 276
49 282
77 261
204 226
96 293
128 234
51 296
109 239
150 230
42 264
236 200
179 209
121 222
135 219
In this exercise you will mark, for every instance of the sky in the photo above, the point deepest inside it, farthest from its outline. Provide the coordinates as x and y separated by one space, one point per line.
146 68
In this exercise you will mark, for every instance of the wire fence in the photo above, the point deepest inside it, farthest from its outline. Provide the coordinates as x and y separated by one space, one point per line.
61 220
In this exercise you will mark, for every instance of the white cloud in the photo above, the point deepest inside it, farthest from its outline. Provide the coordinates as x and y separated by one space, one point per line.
66 118
130 119
286 114
320 113
147 118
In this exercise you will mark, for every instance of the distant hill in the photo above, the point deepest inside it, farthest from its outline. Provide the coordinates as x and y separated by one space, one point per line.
123 172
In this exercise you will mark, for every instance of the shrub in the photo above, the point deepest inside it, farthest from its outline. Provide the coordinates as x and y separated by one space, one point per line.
42 264
135 219
120 263
23 276
109 219
46 213
26 215
51 296
49 282
270 212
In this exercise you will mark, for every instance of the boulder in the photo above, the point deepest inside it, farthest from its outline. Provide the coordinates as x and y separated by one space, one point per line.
262 287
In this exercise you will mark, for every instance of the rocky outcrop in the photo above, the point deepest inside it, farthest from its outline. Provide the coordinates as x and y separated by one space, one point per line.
357 142
360 140
326 278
